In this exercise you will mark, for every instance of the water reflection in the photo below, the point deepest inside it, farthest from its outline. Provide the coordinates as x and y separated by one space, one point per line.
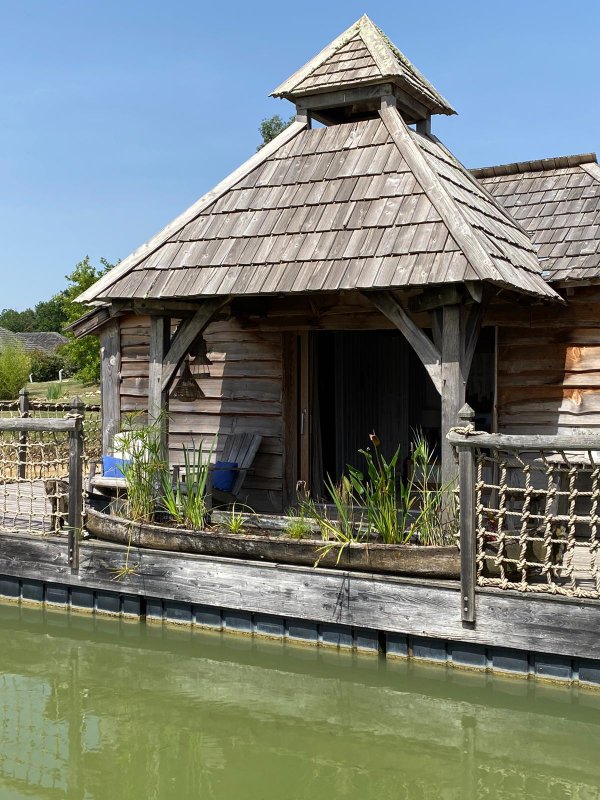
102 710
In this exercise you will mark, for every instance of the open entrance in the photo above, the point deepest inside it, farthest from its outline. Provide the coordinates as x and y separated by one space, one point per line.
372 381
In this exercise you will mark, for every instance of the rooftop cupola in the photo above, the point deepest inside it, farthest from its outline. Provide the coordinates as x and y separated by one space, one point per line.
348 78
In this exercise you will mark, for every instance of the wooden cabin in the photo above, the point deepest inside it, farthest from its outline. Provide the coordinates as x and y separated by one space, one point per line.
352 276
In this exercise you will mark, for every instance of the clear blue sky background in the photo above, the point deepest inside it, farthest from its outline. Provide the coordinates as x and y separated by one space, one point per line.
115 115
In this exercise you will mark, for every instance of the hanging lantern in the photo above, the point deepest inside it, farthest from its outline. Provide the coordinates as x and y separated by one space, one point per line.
200 356
187 389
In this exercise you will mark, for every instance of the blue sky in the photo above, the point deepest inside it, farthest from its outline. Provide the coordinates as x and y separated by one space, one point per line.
115 116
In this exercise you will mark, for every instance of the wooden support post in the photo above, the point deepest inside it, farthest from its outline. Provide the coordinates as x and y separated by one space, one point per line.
158 397
110 358
23 412
453 385
290 417
75 514
466 466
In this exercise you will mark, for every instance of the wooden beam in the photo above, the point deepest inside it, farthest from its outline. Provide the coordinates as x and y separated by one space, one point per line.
187 332
158 398
457 225
290 416
422 345
343 97
453 386
521 620
436 297
468 527
424 126
110 380
472 317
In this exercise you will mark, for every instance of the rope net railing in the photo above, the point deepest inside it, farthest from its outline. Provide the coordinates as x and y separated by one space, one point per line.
92 422
35 466
537 518
34 482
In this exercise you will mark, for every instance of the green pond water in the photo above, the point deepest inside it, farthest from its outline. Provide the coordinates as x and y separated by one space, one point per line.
102 709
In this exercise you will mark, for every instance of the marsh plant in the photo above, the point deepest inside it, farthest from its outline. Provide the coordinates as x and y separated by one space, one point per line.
234 521
435 517
151 488
143 469
377 503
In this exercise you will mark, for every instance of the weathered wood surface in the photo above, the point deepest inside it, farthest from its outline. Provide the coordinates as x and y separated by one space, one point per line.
454 383
75 486
396 559
466 482
243 394
158 397
184 337
37 424
549 366
389 603
194 210
110 373
520 442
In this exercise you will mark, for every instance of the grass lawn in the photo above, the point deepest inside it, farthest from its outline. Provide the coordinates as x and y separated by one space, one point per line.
69 388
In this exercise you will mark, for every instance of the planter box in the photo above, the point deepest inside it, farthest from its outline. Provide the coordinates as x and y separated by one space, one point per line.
431 562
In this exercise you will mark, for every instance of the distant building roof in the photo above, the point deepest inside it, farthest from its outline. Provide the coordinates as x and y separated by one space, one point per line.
557 201
7 337
46 341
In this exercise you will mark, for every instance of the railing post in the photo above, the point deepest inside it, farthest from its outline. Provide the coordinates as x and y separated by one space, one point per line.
75 516
23 412
466 477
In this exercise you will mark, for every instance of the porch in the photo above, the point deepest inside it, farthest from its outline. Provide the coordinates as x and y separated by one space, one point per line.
538 615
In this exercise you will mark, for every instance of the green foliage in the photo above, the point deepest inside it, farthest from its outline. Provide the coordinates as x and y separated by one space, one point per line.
298 525
46 366
143 471
15 365
53 392
82 355
17 321
436 520
48 315
387 499
186 502
379 503
272 127
51 315
234 521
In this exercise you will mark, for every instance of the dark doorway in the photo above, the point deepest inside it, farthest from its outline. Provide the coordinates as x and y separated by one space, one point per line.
372 381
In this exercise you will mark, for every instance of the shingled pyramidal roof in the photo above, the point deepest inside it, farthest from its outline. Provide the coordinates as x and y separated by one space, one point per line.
365 202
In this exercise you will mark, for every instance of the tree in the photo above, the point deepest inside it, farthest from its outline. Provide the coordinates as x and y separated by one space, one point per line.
82 355
51 315
272 127
17 321
14 370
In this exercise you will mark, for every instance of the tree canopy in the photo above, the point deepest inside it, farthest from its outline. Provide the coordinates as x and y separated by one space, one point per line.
272 127
81 356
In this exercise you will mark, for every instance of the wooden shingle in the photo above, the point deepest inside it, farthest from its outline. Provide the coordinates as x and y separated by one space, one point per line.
360 212
557 202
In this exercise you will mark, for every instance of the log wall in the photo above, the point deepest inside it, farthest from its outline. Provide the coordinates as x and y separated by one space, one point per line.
549 365
243 395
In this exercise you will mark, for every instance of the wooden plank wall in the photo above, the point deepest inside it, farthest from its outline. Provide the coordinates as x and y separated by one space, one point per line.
243 395
549 366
